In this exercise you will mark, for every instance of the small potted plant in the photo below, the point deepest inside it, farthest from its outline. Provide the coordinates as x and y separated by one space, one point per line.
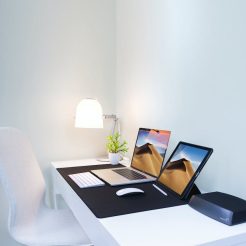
115 148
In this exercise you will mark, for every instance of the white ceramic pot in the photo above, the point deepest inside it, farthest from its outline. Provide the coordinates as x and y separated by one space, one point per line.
114 158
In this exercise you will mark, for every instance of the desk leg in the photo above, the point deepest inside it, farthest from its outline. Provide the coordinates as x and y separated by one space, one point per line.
55 192
55 200
94 229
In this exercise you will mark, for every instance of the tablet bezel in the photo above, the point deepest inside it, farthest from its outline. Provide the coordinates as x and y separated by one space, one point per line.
189 186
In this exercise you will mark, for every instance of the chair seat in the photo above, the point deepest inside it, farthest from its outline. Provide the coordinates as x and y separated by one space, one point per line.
51 227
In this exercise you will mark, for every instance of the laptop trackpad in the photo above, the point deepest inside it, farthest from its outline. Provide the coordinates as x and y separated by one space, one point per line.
110 176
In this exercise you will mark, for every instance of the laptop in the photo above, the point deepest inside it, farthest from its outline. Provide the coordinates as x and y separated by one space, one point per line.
148 155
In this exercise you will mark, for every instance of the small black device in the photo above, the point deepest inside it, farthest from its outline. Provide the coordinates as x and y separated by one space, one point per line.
222 207
183 167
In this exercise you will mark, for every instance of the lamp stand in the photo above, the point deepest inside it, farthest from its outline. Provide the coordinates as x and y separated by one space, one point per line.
116 123
115 119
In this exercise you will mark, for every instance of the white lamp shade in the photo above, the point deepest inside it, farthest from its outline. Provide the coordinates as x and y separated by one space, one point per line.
89 114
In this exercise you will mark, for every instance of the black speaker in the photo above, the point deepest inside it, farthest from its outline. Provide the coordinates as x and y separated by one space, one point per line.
222 207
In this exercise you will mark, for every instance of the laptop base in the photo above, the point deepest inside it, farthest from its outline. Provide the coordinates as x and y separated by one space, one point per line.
113 178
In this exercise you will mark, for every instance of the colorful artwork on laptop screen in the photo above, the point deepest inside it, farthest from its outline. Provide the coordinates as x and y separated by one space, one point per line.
182 166
150 149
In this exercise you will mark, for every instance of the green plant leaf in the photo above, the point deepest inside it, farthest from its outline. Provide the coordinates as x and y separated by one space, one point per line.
114 145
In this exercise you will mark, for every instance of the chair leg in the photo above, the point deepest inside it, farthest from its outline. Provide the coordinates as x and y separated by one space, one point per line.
55 205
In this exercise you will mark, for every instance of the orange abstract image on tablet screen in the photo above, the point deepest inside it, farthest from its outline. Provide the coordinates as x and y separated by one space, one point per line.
150 150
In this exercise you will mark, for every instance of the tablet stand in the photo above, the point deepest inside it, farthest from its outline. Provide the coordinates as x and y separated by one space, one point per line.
194 191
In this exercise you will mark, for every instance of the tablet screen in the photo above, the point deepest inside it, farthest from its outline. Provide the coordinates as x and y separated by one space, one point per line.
182 166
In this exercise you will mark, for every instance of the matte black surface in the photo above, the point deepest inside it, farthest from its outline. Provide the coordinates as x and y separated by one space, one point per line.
222 207
104 202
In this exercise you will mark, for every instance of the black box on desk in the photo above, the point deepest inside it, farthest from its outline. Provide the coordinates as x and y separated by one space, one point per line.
222 207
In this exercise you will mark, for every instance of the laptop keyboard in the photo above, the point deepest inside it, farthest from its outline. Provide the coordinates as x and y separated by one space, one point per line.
129 174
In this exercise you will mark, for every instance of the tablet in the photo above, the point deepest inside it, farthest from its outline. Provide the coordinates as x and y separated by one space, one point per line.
183 167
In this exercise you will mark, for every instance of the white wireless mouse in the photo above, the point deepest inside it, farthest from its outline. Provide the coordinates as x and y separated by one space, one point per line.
129 192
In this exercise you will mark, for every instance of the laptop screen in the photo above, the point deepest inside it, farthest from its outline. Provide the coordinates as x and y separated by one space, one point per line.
183 165
150 150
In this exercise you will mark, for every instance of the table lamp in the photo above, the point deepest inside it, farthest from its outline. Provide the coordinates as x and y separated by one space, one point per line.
89 114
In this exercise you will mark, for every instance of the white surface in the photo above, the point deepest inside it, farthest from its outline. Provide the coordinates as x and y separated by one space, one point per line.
85 180
30 221
53 53
171 226
128 191
76 163
181 67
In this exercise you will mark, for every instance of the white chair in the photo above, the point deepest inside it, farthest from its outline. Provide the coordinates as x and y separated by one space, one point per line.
31 222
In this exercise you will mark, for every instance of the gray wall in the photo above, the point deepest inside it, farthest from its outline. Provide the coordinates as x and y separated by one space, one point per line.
181 66
53 54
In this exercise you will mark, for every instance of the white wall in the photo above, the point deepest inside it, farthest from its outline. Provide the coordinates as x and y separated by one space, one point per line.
53 54
181 66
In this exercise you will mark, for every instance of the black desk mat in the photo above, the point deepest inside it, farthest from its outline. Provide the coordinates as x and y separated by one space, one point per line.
103 201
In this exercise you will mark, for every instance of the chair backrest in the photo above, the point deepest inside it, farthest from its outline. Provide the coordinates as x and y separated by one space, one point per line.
21 176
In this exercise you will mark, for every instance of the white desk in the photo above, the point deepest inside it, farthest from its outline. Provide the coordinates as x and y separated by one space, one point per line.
179 225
